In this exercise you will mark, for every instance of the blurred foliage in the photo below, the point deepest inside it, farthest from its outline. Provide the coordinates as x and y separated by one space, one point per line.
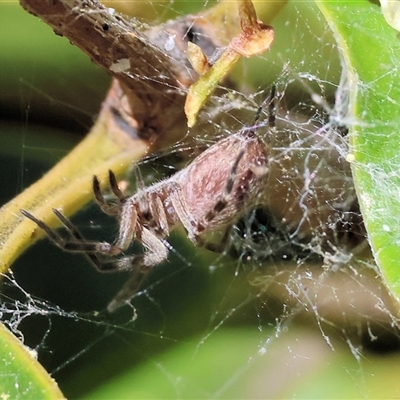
42 73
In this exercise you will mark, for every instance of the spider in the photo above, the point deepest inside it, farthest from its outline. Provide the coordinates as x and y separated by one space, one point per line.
207 196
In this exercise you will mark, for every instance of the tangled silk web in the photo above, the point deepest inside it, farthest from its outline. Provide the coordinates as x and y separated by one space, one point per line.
304 254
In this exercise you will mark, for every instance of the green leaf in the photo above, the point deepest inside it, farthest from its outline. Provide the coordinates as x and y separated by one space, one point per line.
240 364
371 52
21 374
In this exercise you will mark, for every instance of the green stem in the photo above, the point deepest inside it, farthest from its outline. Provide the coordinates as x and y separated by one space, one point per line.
68 185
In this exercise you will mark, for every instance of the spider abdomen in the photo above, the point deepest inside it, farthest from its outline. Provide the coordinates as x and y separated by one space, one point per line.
224 181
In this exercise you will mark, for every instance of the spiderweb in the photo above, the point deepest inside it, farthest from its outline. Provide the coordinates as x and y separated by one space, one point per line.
295 274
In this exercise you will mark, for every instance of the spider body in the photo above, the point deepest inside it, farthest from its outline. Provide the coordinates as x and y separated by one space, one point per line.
207 196
222 183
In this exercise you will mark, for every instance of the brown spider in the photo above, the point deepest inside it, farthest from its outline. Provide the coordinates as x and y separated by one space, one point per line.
207 196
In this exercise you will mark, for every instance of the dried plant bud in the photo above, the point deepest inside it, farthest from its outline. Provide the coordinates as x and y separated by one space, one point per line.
254 39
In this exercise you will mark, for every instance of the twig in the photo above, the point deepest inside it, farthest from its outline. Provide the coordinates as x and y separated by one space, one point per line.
145 69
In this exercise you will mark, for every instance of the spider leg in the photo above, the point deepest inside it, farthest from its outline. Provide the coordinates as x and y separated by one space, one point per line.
270 102
114 187
51 233
110 209
216 247
153 214
157 252
100 265
78 244
180 207
129 289
58 240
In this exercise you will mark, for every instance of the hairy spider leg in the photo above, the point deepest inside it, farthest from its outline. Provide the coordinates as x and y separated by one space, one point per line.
270 101
130 287
271 110
150 206
108 208
115 188
151 210
78 244
122 264
129 229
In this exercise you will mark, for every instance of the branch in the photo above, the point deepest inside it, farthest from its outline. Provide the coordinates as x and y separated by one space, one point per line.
153 76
